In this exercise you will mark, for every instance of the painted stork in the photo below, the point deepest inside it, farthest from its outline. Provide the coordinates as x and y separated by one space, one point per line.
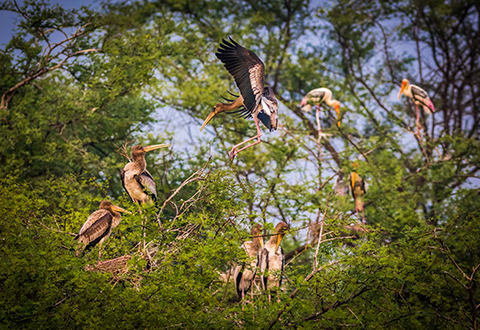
272 260
244 275
136 180
316 97
418 96
98 226
358 189
255 99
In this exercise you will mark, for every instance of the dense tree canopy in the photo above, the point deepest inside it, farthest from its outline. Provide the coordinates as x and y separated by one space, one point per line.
80 87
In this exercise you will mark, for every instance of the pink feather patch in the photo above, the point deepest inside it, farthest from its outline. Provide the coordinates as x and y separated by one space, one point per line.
430 105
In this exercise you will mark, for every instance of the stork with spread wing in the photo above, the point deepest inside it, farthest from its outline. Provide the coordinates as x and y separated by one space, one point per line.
255 99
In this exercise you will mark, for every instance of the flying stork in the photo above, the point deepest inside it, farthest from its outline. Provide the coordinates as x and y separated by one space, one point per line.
272 260
255 100
418 96
136 179
98 226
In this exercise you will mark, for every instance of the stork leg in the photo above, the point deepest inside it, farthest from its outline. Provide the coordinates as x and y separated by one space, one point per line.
243 292
278 293
418 119
235 150
363 212
100 250
356 208
319 126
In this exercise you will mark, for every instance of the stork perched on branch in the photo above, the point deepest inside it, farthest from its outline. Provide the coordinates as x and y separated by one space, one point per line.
136 179
272 260
358 188
244 275
317 97
255 99
419 97
98 226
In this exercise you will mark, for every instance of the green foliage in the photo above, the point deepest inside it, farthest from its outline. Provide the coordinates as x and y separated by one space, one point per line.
80 87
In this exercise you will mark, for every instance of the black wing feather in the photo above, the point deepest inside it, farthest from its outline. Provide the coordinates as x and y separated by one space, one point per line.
265 120
421 93
237 282
142 179
247 70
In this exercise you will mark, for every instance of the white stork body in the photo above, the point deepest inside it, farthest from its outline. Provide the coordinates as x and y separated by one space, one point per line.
418 96
318 96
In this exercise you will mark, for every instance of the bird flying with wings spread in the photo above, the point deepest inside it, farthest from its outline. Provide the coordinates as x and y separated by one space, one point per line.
255 100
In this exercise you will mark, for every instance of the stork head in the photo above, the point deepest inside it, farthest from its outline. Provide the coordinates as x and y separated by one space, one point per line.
107 205
405 84
139 151
256 232
211 115
280 230
304 101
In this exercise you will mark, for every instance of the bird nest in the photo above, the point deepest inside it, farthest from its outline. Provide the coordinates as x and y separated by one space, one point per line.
114 266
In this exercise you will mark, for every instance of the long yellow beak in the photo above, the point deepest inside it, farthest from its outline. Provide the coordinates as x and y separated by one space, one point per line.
119 209
261 242
402 89
210 116
279 239
155 146
337 110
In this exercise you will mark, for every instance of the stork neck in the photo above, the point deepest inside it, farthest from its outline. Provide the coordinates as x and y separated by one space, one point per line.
117 217
222 107
329 101
256 242
140 163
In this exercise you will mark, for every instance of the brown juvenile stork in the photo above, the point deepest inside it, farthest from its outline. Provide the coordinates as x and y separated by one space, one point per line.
255 99
244 275
419 97
98 226
358 188
272 260
136 180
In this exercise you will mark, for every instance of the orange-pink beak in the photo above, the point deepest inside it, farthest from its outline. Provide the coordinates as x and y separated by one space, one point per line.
337 110
404 84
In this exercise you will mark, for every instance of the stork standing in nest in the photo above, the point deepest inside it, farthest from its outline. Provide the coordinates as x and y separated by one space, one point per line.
255 99
98 226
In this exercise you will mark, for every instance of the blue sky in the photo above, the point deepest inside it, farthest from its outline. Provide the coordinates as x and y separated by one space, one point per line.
7 19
